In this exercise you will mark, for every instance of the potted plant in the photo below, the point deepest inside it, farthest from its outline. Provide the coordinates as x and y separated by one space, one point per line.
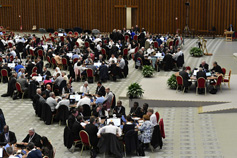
135 90
147 71
196 52
172 83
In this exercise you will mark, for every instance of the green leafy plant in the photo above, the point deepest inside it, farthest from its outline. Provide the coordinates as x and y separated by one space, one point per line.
147 71
196 52
172 83
135 90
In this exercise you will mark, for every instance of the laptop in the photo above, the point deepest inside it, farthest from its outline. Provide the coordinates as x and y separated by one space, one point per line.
116 121
60 34
208 74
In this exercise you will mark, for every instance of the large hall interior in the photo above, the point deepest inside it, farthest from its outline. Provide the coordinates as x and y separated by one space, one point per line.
124 78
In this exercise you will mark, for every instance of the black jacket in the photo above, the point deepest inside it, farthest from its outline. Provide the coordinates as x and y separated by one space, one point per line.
101 90
121 112
131 141
185 76
205 67
110 143
217 68
76 128
12 138
92 130
201 74
36 139
156 139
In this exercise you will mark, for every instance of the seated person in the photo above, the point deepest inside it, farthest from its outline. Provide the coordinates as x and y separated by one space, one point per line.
77 127
51 101
150 50
144 109
47 148
68 89
72 117
110 128
7 136
99 111
204 66
64 101
85 100
146 60
119 110
32 137
129 125
92 131
100 88
113 58
84 88
216 68
99 99
24 84
185 77
47 80
58 80
33 152
136 110
146 130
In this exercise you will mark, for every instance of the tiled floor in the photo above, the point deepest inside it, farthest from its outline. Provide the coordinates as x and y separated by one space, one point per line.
188 134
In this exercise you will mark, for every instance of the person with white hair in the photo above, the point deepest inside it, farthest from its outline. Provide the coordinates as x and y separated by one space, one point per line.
84 88
64 101
32 137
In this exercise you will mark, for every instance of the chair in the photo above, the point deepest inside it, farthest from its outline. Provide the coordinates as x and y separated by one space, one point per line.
11 58
171 43
156 45
32 54
125 53
34 74
70 32
40 53
75 60
49 60
19 90
86 110
223 71
179 80
87 44
76 34
218 82
135 37
34 70
89 73
85 139
55 33
53 61
10 45
103 52
62 38
157 116
136 49
162 129
201 83
52 39
64 62
176 43
126 37
227 79
0 59
4 73
140 60
188 68
77 44
62 114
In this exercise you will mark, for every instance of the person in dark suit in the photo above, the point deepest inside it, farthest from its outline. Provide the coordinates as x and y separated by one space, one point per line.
216 68
92 130
46 72
129 125
7 136
34 153
204 65
119 110
32 137
39 65
47 90
136 110
72 118
23 82
100 89
77 127
185 77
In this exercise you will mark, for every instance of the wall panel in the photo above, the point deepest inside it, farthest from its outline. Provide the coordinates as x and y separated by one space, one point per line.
156 16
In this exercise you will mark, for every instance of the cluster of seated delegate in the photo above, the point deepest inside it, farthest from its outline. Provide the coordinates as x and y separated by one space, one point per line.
203 78
115 132
32 146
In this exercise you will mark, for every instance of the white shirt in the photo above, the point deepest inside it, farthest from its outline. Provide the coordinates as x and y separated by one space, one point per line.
99 48
153 119
150 50
83 101
84 89
175 56
114 59
63 102
110 129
